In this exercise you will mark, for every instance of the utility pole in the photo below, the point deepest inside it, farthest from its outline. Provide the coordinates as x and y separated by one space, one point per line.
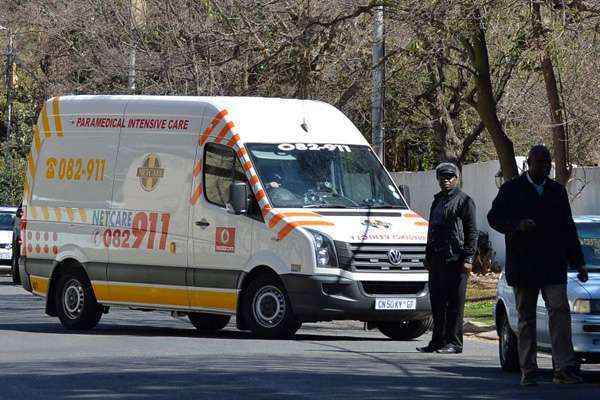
137 10
8 80
378 77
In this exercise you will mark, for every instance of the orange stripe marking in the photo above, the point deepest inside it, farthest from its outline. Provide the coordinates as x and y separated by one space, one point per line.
36 139
69 214
83 214
56 112
265 210
217 118
224 131
45 122
291 225
25 188
411 215
241 152
253 180
421 223
58 214
197 169
260 194
196 195
247 165
300 214
275 219
234 139
31 165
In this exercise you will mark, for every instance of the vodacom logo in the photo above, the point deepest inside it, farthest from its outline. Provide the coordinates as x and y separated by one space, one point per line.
225 240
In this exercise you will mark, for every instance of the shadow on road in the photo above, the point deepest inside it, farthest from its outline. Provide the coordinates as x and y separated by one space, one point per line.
154 331
272 377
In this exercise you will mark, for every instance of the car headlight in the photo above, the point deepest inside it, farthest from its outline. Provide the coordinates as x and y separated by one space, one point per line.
8 246
324 250
581 306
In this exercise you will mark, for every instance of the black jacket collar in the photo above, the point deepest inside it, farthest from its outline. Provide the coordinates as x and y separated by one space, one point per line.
449 195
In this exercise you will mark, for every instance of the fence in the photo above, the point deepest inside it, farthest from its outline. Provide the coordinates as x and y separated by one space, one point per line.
479 183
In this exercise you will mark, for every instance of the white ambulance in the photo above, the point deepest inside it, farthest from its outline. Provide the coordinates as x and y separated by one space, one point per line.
276 211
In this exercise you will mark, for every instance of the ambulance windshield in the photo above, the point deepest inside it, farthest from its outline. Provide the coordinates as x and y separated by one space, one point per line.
308 175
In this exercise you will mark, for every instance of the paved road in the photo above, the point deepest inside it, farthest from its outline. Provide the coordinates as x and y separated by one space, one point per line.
133 355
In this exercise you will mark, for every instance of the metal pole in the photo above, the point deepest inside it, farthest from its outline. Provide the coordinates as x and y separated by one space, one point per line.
131 75
9 81
378 74
133 10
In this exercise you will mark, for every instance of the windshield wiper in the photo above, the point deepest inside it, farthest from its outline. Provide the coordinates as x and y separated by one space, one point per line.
324 206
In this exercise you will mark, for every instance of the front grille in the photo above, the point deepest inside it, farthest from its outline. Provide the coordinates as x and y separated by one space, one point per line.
373 257
375 287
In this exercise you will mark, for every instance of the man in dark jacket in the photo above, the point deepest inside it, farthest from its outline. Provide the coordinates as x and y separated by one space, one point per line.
534 214
451 244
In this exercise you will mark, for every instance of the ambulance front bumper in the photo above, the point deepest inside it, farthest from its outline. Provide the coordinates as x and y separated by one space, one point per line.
331 297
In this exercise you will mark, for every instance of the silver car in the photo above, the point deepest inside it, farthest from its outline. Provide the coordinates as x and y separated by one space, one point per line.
584 299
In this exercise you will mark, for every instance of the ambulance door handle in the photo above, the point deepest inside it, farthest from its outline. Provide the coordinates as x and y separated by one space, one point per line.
203 223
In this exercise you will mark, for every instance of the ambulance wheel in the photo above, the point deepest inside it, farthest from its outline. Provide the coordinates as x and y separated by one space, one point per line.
209 322
76 304
267 309
405 330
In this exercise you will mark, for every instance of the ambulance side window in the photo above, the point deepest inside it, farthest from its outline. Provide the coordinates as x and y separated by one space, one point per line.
221 168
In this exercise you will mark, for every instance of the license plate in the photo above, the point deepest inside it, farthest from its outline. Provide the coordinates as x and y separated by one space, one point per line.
395 304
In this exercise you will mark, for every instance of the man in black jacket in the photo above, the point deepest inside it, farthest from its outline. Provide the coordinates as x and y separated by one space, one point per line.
534 214
451 244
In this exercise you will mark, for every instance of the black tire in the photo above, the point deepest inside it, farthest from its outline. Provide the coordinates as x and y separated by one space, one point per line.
14 270
405 330
76 305
267 310
209 322
508 351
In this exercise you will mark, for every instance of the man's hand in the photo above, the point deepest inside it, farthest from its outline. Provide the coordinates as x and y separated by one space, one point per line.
467 268
526 225
583 274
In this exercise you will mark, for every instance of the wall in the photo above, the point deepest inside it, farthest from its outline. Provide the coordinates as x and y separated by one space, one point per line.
479 183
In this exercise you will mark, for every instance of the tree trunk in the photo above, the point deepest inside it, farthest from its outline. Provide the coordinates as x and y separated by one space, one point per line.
485 103
559 134
446 145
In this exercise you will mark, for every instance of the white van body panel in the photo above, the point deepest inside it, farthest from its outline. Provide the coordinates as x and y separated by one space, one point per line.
117 184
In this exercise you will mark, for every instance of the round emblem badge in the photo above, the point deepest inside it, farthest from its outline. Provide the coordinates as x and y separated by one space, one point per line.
150 172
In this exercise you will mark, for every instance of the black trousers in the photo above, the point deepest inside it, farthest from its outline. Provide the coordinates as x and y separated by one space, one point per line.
447 293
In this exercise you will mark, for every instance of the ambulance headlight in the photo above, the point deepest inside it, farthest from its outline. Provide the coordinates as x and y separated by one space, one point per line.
324 250
8 246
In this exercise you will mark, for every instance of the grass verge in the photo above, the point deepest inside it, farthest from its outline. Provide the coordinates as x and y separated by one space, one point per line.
480 311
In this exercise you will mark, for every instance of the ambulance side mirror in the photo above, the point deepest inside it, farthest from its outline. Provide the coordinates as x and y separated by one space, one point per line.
238 197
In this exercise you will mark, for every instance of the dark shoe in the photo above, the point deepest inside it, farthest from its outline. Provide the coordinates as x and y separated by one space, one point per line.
430 348
528 379
450 349
566 377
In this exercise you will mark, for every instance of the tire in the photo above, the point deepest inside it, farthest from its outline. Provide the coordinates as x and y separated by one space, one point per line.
507 347
267 310
76 305
14 270
209 322
405 330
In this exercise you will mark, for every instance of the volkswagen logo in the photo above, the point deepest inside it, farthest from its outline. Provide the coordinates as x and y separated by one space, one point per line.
394 256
